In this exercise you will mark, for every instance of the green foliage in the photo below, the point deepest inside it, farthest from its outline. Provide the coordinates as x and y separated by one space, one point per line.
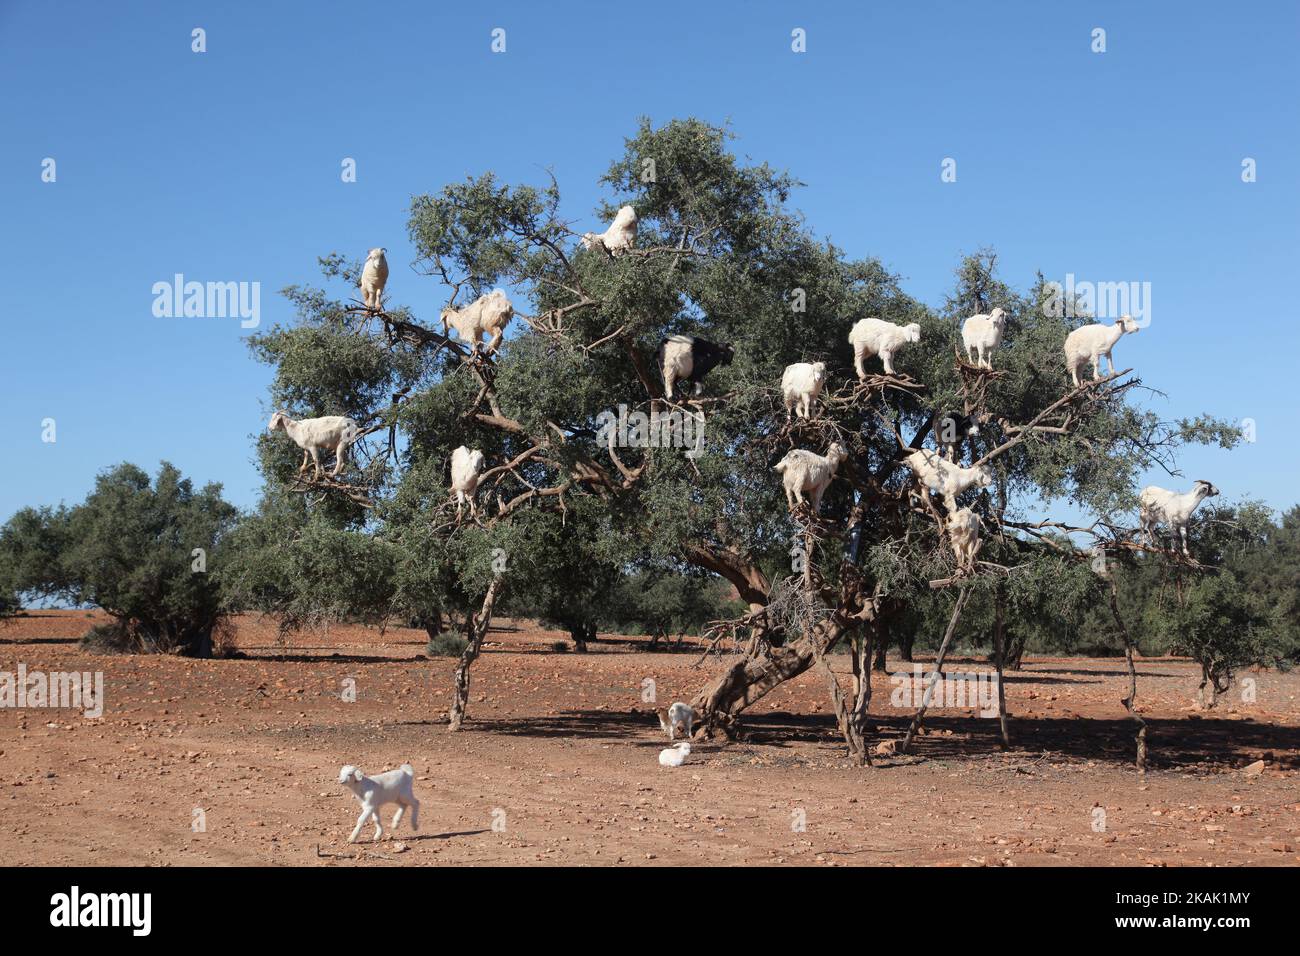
129 549
446 644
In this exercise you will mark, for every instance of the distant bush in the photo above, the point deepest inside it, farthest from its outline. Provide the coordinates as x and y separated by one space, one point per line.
446 644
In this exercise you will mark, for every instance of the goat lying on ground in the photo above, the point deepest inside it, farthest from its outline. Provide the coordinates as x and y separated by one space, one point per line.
488 313
675 755
334 433
1161 506
805 471
875 337
685 358
677 717
618 238
378 791
1089 343
800 385
373 279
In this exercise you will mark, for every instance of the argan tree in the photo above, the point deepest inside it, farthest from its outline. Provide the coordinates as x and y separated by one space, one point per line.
719 253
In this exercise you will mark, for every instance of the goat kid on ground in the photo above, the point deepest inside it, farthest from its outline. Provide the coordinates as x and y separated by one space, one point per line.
679 716
377 792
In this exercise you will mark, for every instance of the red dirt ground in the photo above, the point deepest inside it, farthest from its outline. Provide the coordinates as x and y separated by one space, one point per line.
561 754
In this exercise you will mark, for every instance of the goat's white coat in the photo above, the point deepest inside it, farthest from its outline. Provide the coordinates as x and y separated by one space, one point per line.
982 335
334 433
964 533
678 363
876 337
943 477
675 755
618 238
806 472
678 715
801 384
1089 343
490 312
373 279
466 466
1171 508
374 793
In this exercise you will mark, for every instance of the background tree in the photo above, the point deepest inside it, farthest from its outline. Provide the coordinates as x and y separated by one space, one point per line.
147 554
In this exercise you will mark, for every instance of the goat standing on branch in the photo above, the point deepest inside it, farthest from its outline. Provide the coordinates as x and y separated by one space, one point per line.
313 435
806 472
1161 506
373 279
618 238
874 337
488 313
1089 343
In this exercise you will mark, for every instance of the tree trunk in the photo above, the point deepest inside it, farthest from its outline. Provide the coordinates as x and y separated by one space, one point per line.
578 632
999 652
475 630
750 679
905 644
1131 699
851 716
938 669
882 648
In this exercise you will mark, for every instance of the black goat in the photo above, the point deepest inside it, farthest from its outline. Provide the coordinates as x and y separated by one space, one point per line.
685 358
951 429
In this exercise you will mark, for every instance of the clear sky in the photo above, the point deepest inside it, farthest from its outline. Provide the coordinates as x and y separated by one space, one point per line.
225 166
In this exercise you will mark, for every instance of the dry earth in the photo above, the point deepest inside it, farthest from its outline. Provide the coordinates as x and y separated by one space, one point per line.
561 754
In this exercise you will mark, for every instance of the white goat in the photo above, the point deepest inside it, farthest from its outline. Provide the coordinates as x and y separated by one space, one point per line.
945 478
1161 506
1089 343
334 433
675 755
373 279
488 313
982 335
964 533
466 466
874 337
618 238
806 471
378 791
677 717
801 384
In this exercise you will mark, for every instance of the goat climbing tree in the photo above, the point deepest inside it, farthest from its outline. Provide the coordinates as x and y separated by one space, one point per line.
564 503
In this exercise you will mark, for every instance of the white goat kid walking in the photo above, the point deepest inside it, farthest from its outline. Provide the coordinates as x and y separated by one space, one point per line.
806 472
374 793
982 335
1170 508
801 384
1089 343
334 433
875 337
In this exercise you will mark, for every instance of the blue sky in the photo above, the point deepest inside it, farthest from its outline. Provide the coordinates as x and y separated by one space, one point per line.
225 166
